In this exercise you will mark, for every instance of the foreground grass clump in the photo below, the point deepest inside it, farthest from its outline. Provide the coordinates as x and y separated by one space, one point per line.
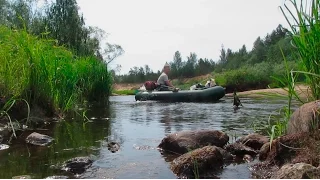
43 73
305 29
303 19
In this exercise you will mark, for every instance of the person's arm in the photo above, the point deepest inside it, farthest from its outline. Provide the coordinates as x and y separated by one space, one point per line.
168 83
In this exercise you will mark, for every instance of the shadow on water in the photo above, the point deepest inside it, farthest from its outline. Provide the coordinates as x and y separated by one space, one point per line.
138 127
73 138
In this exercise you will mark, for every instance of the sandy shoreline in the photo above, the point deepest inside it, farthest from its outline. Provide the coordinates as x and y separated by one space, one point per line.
302 90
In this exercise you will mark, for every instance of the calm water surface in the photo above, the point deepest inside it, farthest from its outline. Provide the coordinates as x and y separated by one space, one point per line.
138 127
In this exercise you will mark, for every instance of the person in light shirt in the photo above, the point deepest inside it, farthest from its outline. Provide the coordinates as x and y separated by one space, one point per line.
163 80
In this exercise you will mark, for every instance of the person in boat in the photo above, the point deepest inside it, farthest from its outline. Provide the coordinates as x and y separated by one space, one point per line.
210 83
163 81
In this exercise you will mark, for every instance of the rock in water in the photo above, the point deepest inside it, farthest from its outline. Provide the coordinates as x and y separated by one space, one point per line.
202 162
3 147
39 139
239 149
113 147
77 165
185 141
22 177
255 141
57 177
305 118
264 151
297 171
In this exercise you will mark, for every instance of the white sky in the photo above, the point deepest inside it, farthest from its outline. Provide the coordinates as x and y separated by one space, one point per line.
151 31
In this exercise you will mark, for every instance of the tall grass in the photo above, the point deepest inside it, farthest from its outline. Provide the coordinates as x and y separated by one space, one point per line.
41 72
304 22
303 19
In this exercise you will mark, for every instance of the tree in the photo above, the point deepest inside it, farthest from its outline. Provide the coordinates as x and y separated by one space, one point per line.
112 51
223 55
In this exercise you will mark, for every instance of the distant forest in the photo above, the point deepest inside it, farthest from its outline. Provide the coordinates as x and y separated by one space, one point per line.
271 49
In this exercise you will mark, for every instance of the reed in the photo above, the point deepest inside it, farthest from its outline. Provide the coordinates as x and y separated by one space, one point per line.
304 22
39 71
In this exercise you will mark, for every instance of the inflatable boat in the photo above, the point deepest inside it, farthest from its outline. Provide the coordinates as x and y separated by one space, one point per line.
203 95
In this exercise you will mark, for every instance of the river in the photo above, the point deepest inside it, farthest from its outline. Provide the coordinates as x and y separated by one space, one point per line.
138 127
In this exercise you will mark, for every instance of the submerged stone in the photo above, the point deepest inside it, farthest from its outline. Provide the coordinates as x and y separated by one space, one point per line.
39 139
239 149
113 147
77 165
22 177
185 141
3 147
57 177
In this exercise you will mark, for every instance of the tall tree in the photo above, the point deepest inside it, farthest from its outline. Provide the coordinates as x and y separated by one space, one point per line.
66 25
223 55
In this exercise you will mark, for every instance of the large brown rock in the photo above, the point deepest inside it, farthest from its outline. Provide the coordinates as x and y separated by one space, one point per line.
297 171
185 141
200 163
240 149
255 141
293 148
264 151
305 119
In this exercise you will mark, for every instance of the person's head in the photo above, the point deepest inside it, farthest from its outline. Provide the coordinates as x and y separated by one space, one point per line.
166 68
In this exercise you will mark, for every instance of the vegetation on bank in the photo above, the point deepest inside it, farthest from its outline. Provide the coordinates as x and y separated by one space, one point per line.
305 32
49 57
41 72
242 69
124 92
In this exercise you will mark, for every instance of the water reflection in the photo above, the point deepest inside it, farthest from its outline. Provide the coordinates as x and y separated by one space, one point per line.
72 138
138 127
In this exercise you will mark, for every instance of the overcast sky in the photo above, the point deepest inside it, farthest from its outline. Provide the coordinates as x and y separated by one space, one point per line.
151 31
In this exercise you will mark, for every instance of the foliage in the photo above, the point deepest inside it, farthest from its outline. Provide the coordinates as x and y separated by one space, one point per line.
125 92
41 72
234 68
305 32
137 75
59 20
251 77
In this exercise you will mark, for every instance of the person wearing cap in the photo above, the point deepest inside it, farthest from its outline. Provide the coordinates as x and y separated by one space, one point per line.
163 80
210 83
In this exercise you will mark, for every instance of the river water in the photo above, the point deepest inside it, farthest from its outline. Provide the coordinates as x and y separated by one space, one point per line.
138 127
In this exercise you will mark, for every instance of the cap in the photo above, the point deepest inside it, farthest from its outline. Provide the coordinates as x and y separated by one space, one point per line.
166 65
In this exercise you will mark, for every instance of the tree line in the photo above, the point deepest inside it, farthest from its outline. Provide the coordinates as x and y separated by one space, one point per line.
59 20
271 49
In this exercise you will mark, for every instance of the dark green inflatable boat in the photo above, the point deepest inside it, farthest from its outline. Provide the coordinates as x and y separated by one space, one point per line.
204 95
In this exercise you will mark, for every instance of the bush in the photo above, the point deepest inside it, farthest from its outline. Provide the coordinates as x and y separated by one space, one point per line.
252 77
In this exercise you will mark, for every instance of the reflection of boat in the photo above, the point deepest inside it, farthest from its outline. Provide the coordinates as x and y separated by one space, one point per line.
204 95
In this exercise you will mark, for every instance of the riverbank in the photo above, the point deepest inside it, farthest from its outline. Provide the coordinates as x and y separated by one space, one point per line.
40 80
